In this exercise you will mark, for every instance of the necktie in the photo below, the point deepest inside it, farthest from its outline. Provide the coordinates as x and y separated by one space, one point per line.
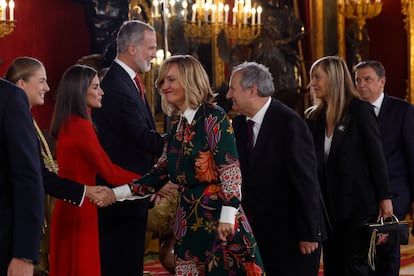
250 135
183 125
138 81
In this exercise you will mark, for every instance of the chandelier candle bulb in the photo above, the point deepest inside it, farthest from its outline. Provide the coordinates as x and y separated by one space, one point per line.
234 15
172 7
253 16
245 12
155 4
11 9
259 15
226 14
213 13
206 8
193 14
220 12
184 12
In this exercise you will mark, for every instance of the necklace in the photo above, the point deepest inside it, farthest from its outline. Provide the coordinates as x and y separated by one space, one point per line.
47 156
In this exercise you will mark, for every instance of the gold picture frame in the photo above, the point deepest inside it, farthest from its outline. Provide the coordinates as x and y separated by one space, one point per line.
407 9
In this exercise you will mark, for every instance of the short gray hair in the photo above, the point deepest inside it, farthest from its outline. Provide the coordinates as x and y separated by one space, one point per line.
255 74
131 33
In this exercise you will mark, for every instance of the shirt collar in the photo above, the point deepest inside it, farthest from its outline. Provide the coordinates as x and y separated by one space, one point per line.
188 114
258 117
128 69
378 101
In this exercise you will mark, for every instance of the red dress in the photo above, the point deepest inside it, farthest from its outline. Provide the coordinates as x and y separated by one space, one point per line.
74 241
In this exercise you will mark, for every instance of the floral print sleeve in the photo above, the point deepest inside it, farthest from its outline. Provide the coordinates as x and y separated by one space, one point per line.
204 153
221 146
203 159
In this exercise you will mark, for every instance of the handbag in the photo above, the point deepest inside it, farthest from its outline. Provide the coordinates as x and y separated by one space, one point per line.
388 232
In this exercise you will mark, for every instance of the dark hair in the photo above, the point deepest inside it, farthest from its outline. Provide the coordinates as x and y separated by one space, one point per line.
374 64
71 96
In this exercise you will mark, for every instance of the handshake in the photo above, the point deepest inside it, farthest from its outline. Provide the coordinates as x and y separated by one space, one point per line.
103 196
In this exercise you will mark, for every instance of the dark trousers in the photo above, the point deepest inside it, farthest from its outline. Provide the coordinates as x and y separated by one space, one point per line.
387 260
122 229
291 264
345 251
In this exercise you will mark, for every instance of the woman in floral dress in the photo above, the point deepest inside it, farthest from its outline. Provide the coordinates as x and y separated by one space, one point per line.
212 234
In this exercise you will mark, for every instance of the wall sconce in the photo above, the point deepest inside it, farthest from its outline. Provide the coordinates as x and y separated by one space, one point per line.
6 24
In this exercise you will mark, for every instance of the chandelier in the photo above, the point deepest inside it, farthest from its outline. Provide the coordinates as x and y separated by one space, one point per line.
204 20
359 10
7 22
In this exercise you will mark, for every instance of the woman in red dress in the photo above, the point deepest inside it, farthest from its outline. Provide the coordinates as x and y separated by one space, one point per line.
74 242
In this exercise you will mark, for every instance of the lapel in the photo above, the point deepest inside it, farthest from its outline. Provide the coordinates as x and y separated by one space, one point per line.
266 132
320 138
341 129
384 110
263 134
143 107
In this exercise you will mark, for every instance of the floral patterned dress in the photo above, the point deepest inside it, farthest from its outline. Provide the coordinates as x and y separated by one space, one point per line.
202 158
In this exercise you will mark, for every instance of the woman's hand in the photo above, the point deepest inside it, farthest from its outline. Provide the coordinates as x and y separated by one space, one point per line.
225 229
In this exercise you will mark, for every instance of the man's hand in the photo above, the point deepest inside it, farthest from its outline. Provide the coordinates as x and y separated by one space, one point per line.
101 196
168 190
306 247
20 267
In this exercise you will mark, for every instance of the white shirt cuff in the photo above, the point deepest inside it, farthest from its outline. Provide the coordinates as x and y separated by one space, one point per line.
122 192
83 196
228 214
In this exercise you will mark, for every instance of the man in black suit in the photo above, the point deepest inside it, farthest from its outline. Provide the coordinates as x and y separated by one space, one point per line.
396 122
127 131
279 175
21 186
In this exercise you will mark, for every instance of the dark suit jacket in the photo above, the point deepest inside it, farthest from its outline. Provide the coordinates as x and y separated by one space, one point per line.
21 186
126 128
355 176
396 122
280 184
127 132
62 188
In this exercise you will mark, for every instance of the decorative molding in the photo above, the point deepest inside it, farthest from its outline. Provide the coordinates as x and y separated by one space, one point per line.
407 9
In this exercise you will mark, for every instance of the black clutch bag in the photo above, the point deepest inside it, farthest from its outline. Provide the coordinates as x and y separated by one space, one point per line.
388 232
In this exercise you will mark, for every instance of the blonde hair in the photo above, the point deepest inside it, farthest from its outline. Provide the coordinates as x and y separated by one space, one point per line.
341 89
23 68
194 79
